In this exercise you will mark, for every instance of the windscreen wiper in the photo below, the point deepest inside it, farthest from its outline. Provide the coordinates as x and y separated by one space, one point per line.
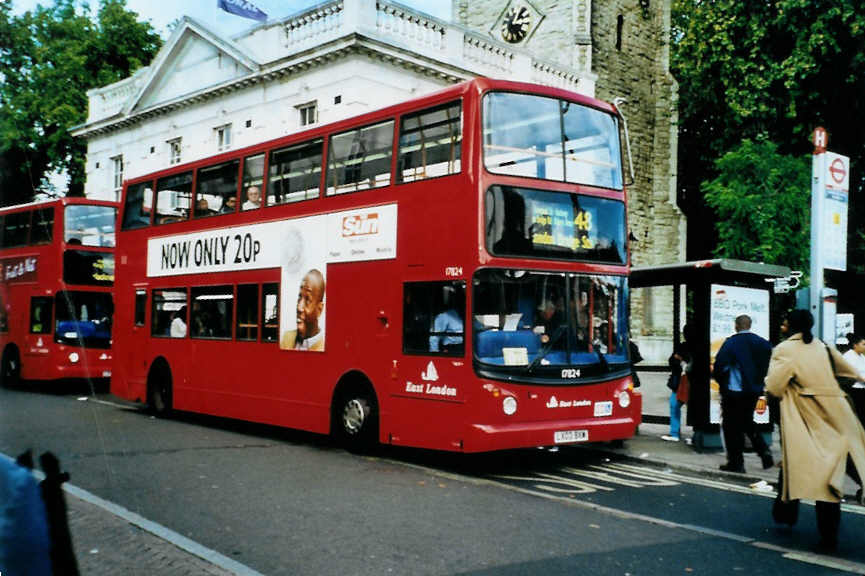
602 360
546 349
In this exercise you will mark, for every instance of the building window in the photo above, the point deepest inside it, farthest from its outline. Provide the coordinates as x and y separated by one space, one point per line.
308 113
117 164
223 137
174 150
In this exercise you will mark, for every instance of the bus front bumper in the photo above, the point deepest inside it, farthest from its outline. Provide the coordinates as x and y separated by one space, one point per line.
67 363
487 437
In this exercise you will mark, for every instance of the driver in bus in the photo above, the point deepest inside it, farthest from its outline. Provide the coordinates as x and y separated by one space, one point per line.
310 305
446 335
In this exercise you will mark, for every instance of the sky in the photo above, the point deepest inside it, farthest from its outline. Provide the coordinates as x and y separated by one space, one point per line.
160 13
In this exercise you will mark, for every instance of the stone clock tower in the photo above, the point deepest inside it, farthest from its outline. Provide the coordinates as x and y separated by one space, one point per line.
624 46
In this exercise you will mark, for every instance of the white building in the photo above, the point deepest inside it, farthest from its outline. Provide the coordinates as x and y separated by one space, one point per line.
204 93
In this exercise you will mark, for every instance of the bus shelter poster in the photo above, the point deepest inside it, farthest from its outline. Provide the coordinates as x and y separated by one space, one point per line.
726 303
302 248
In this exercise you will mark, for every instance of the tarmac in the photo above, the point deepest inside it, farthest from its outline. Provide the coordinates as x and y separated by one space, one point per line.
110 540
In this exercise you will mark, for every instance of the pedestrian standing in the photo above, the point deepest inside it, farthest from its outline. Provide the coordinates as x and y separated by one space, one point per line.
740 368
678 383
855 356
819 429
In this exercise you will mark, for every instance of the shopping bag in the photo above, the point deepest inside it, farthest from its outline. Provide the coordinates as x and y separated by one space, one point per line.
683 392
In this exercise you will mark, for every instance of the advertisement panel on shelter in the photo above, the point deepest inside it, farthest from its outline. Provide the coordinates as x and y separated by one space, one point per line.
725 304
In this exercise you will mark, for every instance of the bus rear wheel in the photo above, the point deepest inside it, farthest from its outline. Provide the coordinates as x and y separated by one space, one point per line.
159 389
356 420
10 368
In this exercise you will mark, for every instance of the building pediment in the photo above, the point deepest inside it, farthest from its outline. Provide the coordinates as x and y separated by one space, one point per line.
193 59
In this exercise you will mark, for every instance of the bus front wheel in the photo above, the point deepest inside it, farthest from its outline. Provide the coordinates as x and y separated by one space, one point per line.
159 388
356 419
10 368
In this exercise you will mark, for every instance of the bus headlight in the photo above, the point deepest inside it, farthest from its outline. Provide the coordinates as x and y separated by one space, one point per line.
73 357
624 399
509 405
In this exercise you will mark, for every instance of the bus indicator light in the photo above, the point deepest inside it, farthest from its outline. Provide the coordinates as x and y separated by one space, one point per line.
360 225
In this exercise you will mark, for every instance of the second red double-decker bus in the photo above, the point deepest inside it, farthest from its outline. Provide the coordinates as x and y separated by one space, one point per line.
56 283
449 273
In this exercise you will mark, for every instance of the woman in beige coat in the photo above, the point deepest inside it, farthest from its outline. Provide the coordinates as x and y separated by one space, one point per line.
818 427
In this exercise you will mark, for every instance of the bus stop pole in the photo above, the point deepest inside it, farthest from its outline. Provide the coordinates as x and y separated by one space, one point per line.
817 185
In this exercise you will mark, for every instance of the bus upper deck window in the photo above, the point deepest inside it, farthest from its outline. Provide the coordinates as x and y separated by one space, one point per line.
173 195
42 226
137 207
295 173
430 143
216 189
16 228
360 159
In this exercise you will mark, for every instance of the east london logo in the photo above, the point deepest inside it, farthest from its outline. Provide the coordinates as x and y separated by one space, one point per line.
556 403
430 375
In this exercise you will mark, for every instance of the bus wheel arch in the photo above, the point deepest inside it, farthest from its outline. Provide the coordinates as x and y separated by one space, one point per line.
159 387
10 367
354 413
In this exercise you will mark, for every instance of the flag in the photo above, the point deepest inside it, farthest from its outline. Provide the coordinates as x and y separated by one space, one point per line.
242 8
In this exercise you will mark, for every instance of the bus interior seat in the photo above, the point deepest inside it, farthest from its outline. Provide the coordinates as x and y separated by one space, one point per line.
491 342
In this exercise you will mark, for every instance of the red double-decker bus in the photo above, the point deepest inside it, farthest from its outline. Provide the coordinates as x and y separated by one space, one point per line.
56 284
450 273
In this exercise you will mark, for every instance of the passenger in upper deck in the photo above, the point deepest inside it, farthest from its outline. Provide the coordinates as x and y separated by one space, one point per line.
253 198
202 208
229 205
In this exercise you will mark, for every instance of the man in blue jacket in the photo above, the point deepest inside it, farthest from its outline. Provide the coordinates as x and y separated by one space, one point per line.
740 369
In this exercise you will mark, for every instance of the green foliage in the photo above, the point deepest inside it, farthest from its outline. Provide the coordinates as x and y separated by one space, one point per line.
49 58
775 69
761 199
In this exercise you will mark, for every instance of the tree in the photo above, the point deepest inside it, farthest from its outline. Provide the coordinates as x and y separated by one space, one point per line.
774 69
761 199
49 58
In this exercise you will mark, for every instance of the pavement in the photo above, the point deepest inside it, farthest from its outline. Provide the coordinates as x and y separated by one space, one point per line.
109 540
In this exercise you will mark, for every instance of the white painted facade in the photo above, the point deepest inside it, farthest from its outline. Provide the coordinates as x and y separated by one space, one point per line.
345 56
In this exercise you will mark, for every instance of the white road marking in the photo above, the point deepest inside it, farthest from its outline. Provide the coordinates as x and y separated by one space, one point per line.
550 494
154 528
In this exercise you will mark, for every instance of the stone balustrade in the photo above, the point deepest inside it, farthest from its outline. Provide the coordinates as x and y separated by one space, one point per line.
394 27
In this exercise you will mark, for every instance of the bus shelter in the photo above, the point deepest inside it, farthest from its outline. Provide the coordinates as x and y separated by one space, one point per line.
716 291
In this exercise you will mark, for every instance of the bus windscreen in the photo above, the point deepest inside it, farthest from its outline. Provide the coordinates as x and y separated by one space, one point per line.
541 137
83 319
534 322
87 225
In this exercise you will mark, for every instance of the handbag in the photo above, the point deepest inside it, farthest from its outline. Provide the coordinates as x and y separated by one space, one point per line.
683 392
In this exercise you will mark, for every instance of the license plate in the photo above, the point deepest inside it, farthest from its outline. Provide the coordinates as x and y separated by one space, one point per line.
563 436
603 408
106 373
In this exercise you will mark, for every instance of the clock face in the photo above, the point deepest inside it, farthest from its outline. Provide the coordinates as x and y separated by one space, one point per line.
516 24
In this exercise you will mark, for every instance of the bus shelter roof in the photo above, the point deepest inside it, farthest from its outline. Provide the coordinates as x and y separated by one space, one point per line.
717 270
